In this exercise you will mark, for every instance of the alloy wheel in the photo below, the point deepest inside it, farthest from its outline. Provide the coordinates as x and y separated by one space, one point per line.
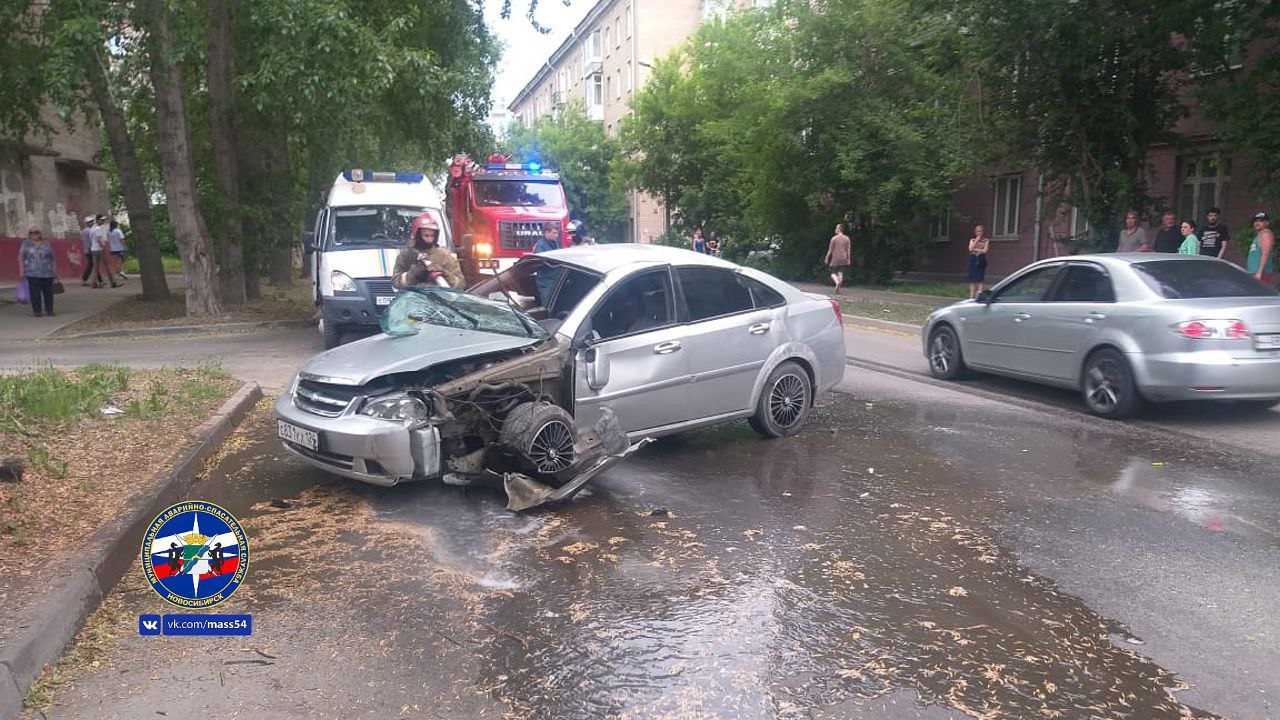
1104 385
552 448
787 400
943 353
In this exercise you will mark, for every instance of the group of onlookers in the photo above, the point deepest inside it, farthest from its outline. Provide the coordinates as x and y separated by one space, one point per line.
104 249
1212 239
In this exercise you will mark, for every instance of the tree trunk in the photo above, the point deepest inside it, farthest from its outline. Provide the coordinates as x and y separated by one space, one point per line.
280 269
226 173
173 141
136 200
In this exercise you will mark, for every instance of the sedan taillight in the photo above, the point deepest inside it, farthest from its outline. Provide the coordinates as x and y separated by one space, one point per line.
1212 329
835 305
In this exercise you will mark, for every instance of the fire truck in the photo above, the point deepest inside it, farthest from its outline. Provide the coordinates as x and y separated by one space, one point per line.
498 210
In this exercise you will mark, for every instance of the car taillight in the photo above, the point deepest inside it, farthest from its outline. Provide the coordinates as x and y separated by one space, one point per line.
1212 329
835 306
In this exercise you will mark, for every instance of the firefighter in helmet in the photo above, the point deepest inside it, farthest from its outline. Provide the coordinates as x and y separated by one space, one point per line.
422 255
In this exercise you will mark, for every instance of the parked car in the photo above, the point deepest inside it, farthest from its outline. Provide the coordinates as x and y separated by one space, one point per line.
564 359
1122 329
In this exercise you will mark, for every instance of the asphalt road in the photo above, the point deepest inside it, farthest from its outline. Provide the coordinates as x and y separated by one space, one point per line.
921 550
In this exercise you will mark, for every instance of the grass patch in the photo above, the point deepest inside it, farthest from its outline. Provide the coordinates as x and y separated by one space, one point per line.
885 310
959 291
172 265
49 395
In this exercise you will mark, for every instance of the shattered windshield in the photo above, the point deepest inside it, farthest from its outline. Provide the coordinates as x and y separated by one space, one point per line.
451 308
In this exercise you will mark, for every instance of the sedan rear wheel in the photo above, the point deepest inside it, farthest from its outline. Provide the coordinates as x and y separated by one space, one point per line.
946 362
784 402
1108 386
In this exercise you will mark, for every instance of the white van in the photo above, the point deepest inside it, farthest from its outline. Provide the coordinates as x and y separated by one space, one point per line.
356 239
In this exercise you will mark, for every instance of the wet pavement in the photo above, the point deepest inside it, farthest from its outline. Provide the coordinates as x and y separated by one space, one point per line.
915 552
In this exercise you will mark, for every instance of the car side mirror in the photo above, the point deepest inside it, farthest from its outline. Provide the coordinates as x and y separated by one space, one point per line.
308 240
984 297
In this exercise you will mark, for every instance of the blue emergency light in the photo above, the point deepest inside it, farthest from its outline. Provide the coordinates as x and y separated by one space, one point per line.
532 167
359 175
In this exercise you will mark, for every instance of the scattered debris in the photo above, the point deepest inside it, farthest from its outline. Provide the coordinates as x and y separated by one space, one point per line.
11 469
111 410
958 591
285 503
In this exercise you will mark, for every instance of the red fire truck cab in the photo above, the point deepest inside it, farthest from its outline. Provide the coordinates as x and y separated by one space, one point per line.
497 211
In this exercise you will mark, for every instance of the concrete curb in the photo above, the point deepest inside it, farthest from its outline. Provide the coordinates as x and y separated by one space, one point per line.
76 592
187 329
885 324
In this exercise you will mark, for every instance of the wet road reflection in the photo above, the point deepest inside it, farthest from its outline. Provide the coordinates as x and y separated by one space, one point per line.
718 575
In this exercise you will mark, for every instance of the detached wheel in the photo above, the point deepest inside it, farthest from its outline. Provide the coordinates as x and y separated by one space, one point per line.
543 435
784 403
946 361
332 335
1107 385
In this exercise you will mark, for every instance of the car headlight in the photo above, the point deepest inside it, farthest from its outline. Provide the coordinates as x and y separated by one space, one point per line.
396 407
342 282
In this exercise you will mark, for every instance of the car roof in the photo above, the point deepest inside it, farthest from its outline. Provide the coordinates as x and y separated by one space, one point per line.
1126 259
607 257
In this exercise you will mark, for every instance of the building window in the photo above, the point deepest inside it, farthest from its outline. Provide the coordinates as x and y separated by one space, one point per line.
1205 180
595 91
617 87
617 31
940 228
592 48
1079 224
608 86
1004 218
630 79
607 45
630 27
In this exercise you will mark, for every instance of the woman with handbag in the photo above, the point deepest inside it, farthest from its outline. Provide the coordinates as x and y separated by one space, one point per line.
35 264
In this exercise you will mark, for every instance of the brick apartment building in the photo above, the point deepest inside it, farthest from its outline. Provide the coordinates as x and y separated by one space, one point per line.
50 185
602 63
1189 178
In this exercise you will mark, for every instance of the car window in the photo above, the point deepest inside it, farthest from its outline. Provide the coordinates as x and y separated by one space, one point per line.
762 295
1199 279
1084 283
533 277
637 304
1030 287
712 292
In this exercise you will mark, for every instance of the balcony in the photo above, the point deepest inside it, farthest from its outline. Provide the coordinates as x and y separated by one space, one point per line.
592 67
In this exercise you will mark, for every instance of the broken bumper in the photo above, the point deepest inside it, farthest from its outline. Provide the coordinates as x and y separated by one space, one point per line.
380 452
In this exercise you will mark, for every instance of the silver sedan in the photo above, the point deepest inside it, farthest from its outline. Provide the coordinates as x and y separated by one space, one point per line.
1121 329
593 346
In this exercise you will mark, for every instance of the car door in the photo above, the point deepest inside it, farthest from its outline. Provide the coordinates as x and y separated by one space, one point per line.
1065 326
729 337
993 335
634 361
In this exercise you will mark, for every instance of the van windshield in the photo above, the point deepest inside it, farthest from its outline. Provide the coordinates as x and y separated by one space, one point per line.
378 225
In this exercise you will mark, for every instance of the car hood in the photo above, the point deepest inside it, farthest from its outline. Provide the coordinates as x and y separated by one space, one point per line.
364 360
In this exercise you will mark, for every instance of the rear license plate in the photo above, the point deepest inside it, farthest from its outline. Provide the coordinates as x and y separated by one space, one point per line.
383 299
1270 341
309 439
488 264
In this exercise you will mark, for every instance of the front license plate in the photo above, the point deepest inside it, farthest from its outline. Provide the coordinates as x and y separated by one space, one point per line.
384 299
488 264
309 439
1269 341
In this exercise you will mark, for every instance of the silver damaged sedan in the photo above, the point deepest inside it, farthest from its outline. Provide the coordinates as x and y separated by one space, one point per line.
1122 329
546 373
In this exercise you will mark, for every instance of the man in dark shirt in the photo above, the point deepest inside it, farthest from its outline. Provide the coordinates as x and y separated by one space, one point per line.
1213 236
1168 237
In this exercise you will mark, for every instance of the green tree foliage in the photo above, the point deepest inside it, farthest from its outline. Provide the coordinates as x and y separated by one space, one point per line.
774 125
579 149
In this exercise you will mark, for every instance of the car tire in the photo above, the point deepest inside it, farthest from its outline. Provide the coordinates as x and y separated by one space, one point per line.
784 402
946 360
1106 383
543 435
332 335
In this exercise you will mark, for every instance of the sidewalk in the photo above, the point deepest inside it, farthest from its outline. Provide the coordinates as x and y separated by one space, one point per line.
18 323
861 293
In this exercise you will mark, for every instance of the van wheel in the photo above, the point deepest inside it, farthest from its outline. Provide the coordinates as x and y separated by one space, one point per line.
543 435
784 402
1107 385
332 335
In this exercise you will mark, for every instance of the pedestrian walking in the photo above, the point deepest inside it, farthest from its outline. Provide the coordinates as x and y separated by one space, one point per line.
86 244
1190 243
979 245
1168 238
36 266
100 246
1214 236
116 237
1261 262
839 256
699 243
1133 238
